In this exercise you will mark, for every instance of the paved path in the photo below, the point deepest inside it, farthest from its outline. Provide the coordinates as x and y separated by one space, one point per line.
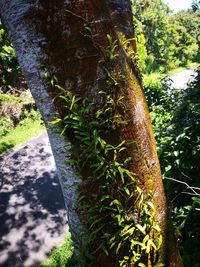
32 212
180 79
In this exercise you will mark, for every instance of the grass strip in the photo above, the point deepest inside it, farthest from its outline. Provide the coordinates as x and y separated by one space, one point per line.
27 129
61 256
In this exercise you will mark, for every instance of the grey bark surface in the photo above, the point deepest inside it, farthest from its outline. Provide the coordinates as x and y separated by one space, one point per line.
26 42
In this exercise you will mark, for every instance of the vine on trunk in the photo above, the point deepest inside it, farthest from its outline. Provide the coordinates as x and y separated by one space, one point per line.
118 215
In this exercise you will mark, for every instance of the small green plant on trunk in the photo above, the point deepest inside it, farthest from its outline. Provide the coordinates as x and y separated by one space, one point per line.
118 216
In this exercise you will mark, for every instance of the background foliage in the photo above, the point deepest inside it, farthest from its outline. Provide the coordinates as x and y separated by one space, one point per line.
19 118
165 41
176 120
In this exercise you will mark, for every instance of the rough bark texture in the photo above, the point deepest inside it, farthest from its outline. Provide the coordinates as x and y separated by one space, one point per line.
54 33
27 42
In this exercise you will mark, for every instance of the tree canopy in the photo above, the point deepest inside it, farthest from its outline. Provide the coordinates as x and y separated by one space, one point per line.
169 40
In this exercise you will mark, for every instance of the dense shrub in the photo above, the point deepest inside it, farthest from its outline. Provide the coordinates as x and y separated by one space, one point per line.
6 125
165 41
176 123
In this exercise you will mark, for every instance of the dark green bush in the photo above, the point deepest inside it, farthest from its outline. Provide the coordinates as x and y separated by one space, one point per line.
176 123
6 125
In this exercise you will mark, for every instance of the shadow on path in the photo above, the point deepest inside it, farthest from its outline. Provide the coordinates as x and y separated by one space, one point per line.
32 213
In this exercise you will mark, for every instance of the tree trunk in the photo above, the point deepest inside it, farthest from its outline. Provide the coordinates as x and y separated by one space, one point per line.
27 43
68 39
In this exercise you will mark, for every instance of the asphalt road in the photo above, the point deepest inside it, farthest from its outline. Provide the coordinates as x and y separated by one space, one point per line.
180 79
32 214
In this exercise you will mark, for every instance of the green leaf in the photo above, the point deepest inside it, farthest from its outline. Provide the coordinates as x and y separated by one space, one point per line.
95 232
118 247
156 227
105 197
160 240
127 191
118 204
63 131
109 38
121 173
95 222
71 161
112 242
176 153
168 168
149 245
89 30
141 228
55 121
145 239
60 88
150 204
127 230
120 219
137 243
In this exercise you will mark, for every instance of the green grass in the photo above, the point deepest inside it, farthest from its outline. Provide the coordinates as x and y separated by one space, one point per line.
27 129
61 256
191 65
156 76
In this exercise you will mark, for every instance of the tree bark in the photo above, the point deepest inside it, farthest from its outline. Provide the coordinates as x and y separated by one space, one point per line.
27 43
53 34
